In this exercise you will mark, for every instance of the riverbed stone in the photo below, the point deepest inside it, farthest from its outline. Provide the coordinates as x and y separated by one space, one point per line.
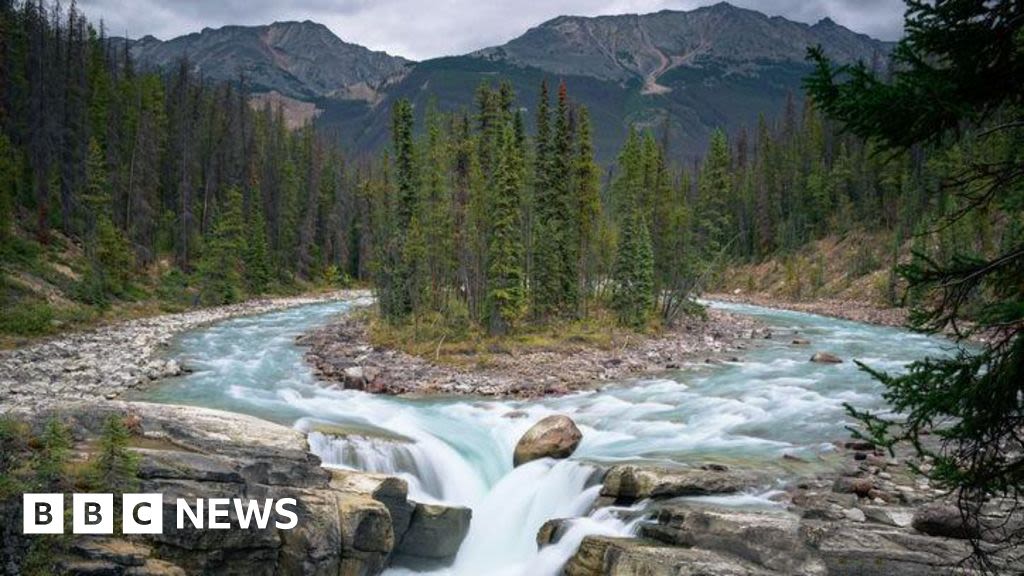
940 519
629 482
553 437
826 358
436 531
610 556
391 491
769 538
552 531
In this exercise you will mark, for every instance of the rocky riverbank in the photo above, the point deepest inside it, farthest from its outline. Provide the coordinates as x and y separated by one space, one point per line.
844 309
871 517
350 523
341 352
106 362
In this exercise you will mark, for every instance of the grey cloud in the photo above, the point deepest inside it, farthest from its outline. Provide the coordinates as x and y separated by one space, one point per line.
425 29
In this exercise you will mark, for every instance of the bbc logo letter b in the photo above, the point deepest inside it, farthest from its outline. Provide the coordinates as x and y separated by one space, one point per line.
42 513
92 513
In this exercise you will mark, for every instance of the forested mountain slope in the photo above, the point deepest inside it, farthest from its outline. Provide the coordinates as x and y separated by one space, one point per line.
687 72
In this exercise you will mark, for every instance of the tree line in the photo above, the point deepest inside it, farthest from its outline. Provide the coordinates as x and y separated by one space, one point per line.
161 169
467 215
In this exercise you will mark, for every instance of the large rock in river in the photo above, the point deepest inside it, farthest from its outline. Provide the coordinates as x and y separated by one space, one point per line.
435 531
628 482
826 358
552 437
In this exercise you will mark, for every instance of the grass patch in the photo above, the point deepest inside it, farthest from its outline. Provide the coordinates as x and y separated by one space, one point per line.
429 336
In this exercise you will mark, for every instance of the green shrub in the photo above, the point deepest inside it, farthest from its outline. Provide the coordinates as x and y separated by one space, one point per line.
115 466
26 319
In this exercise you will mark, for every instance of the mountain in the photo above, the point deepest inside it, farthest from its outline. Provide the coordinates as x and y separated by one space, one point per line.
650 46
684 72
299 60
687 72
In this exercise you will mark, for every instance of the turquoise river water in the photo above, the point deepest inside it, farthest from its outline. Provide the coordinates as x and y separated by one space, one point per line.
459 450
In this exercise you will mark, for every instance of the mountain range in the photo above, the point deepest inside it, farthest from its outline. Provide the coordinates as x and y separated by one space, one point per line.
687 72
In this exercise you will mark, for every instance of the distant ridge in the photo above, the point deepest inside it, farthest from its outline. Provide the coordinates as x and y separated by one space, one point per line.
684 72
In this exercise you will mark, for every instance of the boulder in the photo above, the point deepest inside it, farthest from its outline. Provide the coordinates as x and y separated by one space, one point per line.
552 437
942 520
435 531
888 515
769 538
862 487
608 556
391 491
826 358
849 549
630 482
552 531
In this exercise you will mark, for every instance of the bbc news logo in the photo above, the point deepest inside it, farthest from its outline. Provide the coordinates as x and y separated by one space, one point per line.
144 513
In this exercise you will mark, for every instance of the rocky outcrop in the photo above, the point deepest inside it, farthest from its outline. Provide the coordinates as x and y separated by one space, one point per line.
694 539
876 518
349 522
628 483
435 532
553 437
608 556
767 538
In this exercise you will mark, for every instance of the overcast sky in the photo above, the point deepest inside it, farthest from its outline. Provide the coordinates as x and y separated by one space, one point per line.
421 29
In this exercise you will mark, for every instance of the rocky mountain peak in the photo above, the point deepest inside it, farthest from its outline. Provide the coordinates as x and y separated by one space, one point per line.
303 60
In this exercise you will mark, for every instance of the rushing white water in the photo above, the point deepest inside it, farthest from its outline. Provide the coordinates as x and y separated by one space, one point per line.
459 450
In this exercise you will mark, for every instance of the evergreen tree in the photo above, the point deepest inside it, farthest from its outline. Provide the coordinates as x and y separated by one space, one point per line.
10 178
967 58
52 457
257 253
114 466
506 299
713 221
565 216
589 209
634 272
545 284
220 269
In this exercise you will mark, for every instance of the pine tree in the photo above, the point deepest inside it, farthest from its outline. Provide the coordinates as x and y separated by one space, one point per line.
545 285
220 269
55 448
714 223
634 272
966 56
395 274
437 211
588 199
114 466
566 215
10 178
257 253
505 296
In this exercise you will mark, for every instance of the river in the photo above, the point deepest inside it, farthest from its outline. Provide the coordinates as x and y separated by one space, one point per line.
459 450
